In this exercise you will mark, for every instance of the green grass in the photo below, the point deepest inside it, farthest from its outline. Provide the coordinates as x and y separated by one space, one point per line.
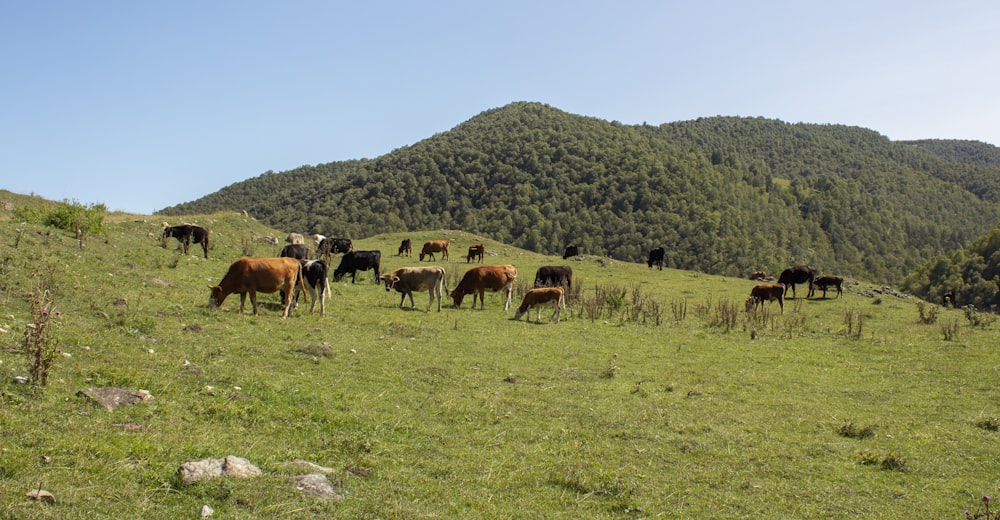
468 414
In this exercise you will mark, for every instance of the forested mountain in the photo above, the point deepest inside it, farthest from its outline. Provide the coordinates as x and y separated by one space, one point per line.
972 273
723 195
953 150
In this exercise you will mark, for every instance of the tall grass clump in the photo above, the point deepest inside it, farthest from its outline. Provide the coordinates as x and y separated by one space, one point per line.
40 342
928 312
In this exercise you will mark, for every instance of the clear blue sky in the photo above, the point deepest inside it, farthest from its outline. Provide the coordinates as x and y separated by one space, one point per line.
142 105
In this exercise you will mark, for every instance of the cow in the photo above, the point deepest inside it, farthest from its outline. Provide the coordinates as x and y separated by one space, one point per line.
477 280
948 299
766 292
405 247
537 297
759 276
554 276
295 238
828 280
186 234
798 274
656 258
571 250
435 246
354 261
332 246
296 251
318 239
253 275
317 283
409 279
476 251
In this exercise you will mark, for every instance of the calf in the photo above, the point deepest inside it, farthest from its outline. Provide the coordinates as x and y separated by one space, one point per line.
315 273
825 281
296 251
435 246
477 280
536 297
185 234
405 247
354 261
253 275
554 276
475 251
409 279
766 292
656 258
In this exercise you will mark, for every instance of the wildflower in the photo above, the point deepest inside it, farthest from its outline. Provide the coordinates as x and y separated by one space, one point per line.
45 313
986 498
58 313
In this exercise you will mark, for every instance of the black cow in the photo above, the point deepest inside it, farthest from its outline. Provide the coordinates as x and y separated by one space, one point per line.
798 274
354 261
829 280
329 246
186 234
296 251
571 250
315 273
405 247
554 276
656 258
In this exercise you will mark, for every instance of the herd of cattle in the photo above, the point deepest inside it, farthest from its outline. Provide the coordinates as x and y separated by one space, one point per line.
294 272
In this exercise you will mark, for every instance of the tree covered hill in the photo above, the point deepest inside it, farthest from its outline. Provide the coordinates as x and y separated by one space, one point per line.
724 195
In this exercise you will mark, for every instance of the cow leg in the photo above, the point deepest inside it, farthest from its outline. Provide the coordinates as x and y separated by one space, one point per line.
510 292
243 299
253 301
558 312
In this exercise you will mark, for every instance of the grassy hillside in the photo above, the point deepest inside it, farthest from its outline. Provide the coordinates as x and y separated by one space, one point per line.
723 195
662 398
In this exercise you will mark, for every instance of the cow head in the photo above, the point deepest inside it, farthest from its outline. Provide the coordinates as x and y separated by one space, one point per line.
390 281
457 297
215 297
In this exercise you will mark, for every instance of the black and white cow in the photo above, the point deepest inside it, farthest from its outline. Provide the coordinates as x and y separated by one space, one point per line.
315 273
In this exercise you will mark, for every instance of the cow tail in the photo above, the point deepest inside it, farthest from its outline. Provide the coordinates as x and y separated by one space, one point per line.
302 282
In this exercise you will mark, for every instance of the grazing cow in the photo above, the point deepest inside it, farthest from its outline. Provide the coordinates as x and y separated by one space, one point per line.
948 299
828 280
536 297
759 276
477 250
571 250
405 247
798 274
185 234
478 279
329 246
295 238
354 261
315 272
253 275
435 246
766 292
296 251
554 276
656 258
409 279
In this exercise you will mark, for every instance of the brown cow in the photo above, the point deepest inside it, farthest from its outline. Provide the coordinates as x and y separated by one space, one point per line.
829 280
759 276
478 279
253 275
477 250
539 296
766 292
409 279
435 246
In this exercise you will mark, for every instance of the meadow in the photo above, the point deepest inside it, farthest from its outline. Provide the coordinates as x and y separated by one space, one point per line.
656 396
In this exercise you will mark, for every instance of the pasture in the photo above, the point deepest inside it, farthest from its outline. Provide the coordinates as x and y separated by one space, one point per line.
657 396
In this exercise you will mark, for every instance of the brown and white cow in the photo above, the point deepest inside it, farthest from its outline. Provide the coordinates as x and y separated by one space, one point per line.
409 279
477 280
537 297
766 292
435 246
476 251
253 275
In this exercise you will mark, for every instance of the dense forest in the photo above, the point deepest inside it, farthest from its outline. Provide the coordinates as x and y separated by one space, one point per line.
723 195
971 273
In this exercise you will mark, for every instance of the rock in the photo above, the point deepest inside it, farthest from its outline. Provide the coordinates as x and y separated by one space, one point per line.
41 495
110 398
316 485
212 468
207 511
